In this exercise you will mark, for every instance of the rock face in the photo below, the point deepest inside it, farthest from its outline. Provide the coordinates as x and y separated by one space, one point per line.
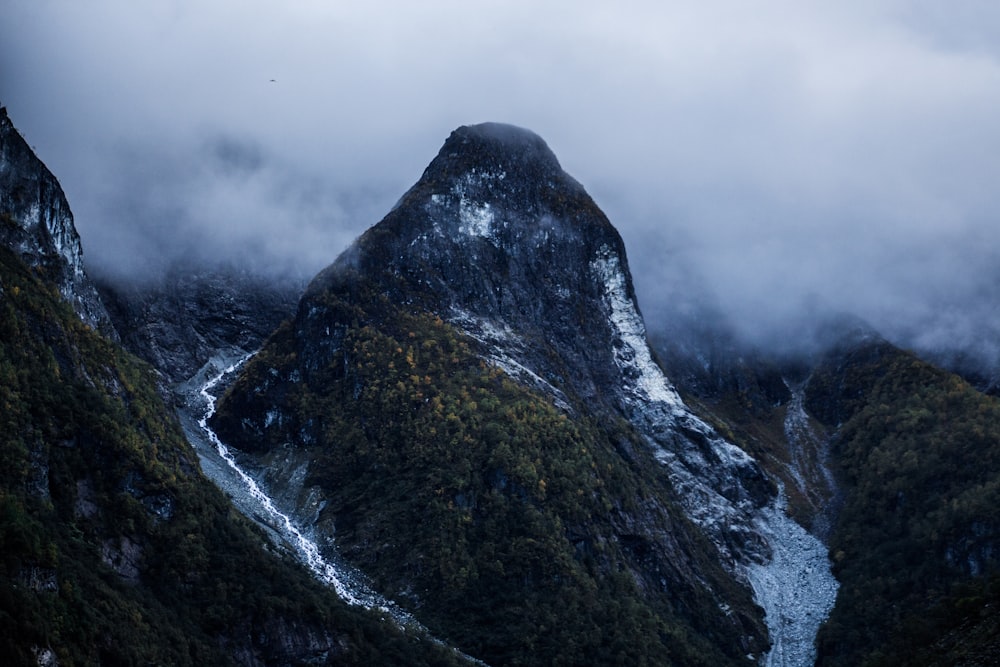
496 234
511 255
36 222
178 322
496 238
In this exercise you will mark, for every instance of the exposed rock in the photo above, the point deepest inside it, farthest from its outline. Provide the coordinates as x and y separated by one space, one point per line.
36 222
123 556
180 320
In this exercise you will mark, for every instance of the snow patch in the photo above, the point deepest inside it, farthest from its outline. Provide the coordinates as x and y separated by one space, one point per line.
786 567
475 219
645 380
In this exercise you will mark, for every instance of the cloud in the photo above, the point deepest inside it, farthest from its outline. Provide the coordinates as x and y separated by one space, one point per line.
760 155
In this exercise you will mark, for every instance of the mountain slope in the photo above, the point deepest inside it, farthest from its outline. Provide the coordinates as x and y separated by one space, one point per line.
917 542
467 403
114 549
910 515
36 222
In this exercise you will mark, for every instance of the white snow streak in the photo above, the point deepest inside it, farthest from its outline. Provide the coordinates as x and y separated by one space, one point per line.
793 584
306 549
500 342
633 352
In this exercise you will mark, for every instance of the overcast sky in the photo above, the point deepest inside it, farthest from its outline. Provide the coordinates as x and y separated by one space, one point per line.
776 153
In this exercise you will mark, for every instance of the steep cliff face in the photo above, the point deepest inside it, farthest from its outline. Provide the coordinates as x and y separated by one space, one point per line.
180 320
36 222
485 335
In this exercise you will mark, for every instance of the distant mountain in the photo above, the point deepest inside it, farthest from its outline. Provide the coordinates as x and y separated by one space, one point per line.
907 501
916 544
181 319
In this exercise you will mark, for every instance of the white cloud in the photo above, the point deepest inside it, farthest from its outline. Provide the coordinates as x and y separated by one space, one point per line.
782 148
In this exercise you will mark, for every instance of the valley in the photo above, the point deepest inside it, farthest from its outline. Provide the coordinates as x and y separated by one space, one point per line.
460 443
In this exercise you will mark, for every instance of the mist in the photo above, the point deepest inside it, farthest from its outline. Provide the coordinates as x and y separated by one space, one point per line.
762 162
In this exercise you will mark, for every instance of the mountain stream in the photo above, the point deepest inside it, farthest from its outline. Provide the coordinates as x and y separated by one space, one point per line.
252 500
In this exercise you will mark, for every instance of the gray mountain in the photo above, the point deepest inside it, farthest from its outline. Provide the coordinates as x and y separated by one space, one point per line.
496 293
179 320
38 225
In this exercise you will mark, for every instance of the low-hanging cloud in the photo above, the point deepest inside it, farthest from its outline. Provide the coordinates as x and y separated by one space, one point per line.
759 156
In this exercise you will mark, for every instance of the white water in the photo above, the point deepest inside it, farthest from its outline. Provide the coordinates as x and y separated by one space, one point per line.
305 547
254 502
259 506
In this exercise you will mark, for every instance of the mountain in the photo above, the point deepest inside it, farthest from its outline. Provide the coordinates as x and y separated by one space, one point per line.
37 224
114 548
916 544
181 319
468 399
464 415
904 492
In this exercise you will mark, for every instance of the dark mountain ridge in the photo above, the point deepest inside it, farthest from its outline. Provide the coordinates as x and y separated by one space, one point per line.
37 224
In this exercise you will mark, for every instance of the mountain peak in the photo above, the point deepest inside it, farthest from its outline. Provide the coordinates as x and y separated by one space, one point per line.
510 143
37 225
503 165
494 228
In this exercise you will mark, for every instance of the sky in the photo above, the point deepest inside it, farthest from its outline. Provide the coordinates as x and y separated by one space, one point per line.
769 158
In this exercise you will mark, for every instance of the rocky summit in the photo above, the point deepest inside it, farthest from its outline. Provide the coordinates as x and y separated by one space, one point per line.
496 294
497 237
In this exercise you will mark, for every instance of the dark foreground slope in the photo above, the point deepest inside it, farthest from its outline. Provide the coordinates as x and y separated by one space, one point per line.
114 549
917 543
449 401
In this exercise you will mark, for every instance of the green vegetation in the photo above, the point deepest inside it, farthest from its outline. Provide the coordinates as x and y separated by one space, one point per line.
114 550
917 544
518 532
